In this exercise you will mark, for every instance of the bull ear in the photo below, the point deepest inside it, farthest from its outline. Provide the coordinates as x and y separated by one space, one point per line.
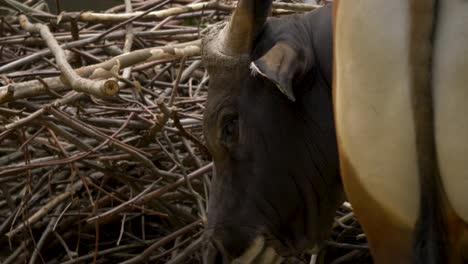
280 64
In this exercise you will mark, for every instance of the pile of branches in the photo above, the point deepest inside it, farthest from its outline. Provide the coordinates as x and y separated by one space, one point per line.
102 157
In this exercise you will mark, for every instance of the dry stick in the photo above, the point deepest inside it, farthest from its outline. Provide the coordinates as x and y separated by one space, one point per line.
187 251
129 20
58 7
175 248
59 102
102 253
297 7
49 161
206 179
129 203
70 254
347 258
116 35
41 6
8 93
195 194
154 194
161 14
129 36
190 69
152 16
62 213
8 198
122 228
147 252
189 136
34 88
74 44
14 258
98 88
177 161
134 171
46 208
27 9
80 144
175 89
84 128
38 55
163 118
148 4
141 56
176 244
86 55
340 221
345 245
44 236
162 23
149 211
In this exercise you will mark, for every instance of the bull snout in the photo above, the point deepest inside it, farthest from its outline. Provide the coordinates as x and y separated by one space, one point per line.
237 247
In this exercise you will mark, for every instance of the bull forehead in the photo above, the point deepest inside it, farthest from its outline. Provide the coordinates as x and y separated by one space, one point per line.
213 52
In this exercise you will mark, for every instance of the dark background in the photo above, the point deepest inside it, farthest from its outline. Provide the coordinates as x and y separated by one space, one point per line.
83 5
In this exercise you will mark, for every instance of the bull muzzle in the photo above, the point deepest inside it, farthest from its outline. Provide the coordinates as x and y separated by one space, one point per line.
257 252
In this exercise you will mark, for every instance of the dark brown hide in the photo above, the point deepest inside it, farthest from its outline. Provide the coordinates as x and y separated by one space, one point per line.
276 159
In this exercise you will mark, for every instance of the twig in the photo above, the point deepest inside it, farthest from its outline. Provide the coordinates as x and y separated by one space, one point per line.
141 199
177 81
147 252
46 208
65 100
101 70
79 84
15 257
346 258
99 17
212 5
44 236
187 251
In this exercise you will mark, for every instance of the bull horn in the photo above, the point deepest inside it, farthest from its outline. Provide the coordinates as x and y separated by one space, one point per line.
246 22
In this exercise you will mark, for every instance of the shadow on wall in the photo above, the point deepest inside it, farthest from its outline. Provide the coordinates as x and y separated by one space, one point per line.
83 5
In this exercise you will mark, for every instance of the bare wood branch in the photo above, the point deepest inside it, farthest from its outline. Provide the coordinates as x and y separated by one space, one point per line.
46 208
212 5
100 70
146 253
98 88
156 15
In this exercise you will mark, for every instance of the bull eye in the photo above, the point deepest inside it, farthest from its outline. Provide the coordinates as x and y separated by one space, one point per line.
230 131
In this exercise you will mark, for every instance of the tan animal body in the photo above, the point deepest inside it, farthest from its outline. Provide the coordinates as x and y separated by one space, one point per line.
401 109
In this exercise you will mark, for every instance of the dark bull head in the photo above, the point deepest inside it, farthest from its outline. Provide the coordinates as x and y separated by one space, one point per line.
269 127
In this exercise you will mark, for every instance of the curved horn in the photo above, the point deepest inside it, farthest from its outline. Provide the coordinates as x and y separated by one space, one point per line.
246 22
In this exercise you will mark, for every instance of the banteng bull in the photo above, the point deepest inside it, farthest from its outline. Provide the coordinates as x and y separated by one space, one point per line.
269 126
401 105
